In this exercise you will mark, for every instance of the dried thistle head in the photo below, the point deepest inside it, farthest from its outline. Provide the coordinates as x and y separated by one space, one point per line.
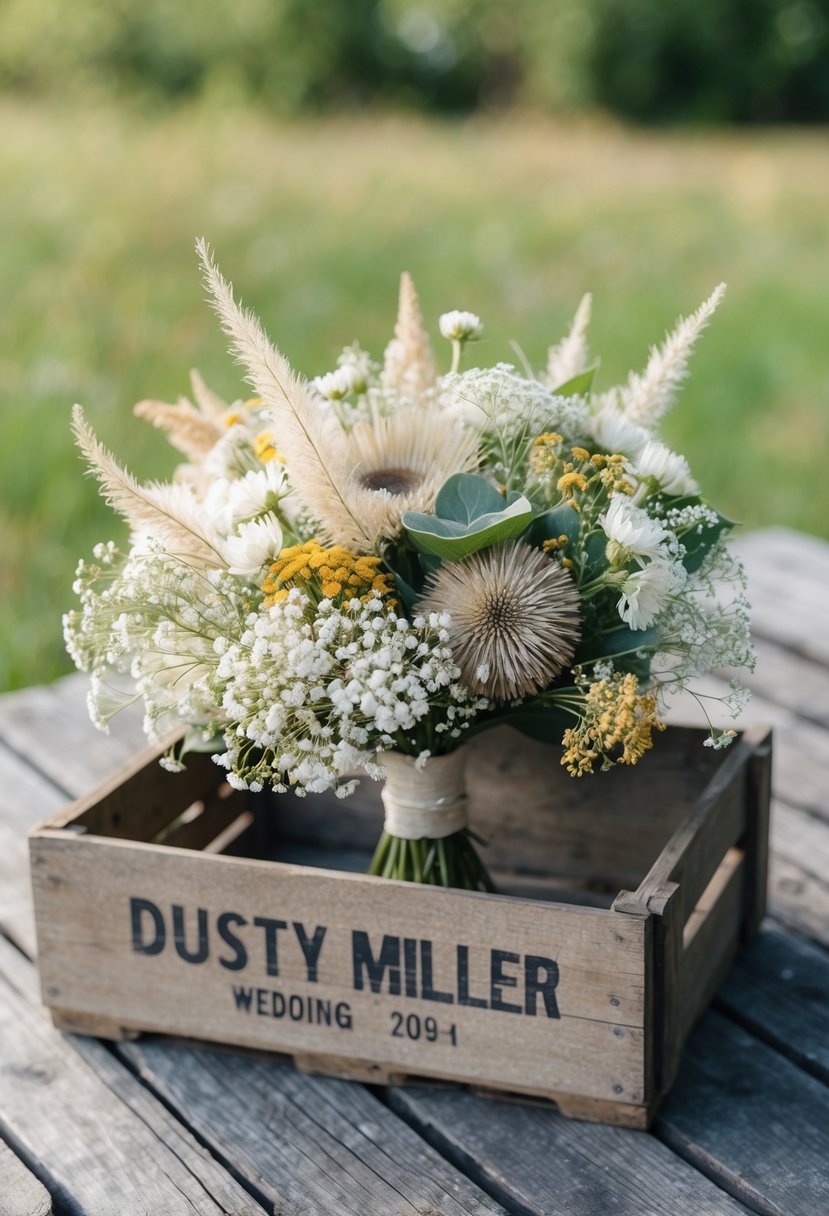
515 618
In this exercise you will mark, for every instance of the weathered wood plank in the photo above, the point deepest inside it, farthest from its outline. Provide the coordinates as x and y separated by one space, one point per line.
801 749
103 1145
313 1145
779 558
785 678
535 1161
21 1194
751 1120
779 990
25 798
583 1036
798 900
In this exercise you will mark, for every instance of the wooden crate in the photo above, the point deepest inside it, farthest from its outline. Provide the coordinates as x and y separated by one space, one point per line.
170 903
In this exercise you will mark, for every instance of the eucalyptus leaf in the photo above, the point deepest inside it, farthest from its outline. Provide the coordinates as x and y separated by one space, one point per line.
465 497
448 539
578 386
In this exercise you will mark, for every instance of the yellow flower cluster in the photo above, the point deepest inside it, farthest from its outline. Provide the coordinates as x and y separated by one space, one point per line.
544 456
616 715
328 572
612 473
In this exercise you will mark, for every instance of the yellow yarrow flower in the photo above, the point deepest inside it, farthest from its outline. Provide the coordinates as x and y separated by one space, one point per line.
544 455
616 716
326 572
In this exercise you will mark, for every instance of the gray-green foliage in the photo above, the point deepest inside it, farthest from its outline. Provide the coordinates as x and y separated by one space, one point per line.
746 60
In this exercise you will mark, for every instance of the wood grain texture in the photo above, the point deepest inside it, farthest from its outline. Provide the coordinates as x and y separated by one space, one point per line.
88 965
537 1162
77 755
310 1145
751 1120
21 1194
25 799
102 1144
778 557
779 990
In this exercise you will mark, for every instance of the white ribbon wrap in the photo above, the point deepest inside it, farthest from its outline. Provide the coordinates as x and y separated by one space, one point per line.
428 802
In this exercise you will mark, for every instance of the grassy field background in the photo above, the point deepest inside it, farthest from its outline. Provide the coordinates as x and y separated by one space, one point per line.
514 218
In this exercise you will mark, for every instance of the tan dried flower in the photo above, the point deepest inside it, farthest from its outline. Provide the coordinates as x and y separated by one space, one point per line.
409 367
515 618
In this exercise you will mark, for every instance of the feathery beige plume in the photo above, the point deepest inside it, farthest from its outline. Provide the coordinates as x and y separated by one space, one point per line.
310 439
409 366
192 429
646 397
515 618
169 513
571 355
209 403
356 485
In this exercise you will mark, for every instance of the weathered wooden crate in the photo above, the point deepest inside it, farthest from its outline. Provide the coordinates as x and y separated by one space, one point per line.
170 903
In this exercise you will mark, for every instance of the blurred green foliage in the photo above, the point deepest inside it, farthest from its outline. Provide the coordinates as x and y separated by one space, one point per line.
654 60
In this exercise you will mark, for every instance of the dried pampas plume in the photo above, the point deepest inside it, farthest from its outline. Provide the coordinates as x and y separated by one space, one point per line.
646 397
192 429
169 513
571 356
310 439
409 367
515 618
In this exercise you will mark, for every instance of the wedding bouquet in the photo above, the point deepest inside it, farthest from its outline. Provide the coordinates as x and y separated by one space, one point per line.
361 572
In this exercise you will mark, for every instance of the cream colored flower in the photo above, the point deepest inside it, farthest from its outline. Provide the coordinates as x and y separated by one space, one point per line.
398 462
254 545
670 470
634 531
515 618
458 326
408 364
645 593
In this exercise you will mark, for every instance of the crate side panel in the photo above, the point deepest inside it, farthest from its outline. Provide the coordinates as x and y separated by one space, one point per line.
535 996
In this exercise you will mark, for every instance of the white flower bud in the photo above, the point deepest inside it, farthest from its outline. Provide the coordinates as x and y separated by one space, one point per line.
461 326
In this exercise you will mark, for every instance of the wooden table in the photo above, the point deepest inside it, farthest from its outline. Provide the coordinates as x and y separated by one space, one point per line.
165 1128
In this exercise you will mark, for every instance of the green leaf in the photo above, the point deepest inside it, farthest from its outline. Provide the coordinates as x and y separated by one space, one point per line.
407 593
465 497
545 725
560 521
578 386
449 539
620 641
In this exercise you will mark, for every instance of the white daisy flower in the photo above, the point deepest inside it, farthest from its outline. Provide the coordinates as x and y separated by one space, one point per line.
254 545
613 432
645 593
254 493
633 530
669 469
333 386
